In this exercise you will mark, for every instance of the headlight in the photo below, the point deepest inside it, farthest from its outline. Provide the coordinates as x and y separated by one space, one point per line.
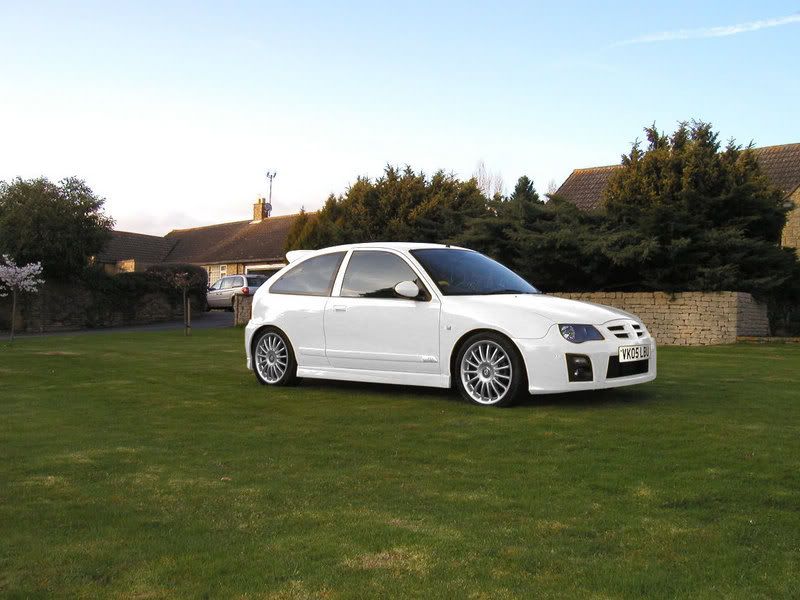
577 334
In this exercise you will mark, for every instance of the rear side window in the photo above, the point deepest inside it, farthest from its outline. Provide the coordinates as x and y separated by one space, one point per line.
373 274
312 277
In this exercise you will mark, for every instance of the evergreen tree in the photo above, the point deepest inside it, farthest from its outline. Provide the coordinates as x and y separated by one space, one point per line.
684 214
551 244
400 205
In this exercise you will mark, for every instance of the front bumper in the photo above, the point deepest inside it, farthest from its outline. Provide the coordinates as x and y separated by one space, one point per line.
546 363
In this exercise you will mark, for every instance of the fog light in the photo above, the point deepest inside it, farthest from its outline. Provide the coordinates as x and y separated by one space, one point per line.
579 367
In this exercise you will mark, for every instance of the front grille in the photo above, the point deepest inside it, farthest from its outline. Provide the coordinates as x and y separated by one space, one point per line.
626 369
638 329
618 331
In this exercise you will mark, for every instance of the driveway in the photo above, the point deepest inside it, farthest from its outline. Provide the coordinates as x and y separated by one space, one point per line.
210 320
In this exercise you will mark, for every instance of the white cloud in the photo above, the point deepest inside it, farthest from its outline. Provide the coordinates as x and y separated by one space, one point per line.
711 32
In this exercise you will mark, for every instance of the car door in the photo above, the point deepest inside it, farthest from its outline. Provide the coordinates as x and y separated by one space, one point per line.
370 327
309 284
212 297
234 284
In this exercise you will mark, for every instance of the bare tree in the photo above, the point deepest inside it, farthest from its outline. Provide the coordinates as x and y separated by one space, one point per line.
489 183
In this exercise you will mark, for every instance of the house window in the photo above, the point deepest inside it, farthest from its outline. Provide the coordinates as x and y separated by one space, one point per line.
223 270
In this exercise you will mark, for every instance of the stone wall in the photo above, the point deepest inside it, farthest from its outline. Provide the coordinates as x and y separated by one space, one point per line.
791 232
69 307
242 309
684 319
689 318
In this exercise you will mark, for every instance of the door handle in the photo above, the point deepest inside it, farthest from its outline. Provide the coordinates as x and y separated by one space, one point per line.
339 308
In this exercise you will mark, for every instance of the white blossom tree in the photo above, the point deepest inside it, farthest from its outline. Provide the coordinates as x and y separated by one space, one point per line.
15 279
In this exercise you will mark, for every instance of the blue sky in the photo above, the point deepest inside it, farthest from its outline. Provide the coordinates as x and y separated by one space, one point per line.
173 111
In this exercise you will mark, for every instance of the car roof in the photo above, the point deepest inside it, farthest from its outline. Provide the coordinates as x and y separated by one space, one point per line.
402 246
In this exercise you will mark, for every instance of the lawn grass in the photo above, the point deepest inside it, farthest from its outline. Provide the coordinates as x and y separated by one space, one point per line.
149 465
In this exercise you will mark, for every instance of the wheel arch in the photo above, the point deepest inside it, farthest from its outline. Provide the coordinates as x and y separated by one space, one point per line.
269 327
460 343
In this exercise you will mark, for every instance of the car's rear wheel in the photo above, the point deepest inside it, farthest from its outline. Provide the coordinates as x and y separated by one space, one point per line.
490 371
273 358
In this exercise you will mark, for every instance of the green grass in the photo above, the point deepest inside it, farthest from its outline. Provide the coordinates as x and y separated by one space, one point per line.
150 465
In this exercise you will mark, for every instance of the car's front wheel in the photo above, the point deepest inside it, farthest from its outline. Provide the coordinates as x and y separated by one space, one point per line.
490 371
273 358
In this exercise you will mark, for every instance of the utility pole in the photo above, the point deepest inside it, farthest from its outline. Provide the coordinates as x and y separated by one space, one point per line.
270 175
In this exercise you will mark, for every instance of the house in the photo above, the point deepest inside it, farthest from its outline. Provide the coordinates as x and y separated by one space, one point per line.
781 165
127 252
252 246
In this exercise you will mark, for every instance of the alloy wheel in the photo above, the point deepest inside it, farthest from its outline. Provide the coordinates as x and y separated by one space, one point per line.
486 372
272 358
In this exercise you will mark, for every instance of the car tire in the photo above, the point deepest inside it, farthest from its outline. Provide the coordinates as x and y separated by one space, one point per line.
273 358
489 371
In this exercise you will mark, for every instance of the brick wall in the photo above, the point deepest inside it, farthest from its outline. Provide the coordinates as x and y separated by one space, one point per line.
791 232
689 318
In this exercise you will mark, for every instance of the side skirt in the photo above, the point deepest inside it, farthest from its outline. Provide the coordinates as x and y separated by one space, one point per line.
392 377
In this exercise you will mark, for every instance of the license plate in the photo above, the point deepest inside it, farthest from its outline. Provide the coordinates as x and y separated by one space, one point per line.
632 353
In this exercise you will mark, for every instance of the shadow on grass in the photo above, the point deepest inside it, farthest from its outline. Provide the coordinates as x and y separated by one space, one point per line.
587 399
639 394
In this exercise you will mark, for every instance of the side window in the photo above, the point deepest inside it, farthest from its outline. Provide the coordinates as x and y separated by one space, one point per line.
312 277
373 274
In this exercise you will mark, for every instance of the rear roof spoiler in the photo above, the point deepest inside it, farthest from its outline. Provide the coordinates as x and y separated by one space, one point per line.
294 255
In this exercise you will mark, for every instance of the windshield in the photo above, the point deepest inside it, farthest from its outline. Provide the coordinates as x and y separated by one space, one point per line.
467 273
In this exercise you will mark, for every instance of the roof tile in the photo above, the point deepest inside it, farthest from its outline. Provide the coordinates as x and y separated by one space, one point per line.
240 241
125 245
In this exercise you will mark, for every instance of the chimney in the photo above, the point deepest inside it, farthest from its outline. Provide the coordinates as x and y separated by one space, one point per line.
261 210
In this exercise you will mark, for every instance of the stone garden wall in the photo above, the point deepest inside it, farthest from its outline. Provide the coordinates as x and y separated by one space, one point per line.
242 309
70 307
689 318
684 319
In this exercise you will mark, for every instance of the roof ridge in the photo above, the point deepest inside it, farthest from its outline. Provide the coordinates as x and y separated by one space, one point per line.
776 146
137 233
619 164
244 221
597 168
206 226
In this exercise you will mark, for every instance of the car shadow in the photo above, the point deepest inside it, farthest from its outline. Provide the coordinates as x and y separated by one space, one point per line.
587 399
632 395
382 389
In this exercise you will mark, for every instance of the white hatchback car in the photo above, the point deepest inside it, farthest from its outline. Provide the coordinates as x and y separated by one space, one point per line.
433 315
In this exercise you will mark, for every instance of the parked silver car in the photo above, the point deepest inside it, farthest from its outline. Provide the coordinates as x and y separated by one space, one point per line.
220 295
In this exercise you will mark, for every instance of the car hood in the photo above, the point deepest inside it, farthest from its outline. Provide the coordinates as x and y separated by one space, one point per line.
558 310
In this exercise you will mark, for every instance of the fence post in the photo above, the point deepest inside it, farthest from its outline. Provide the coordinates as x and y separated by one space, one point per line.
188 309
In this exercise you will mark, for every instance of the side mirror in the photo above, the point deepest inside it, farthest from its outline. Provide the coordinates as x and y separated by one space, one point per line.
407 289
